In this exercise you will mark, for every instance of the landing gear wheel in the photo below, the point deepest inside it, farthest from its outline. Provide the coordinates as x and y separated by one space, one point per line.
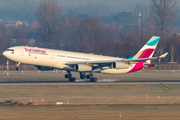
18 69
72 79
82 76
17 66
91 76
88 76
67 76
93 80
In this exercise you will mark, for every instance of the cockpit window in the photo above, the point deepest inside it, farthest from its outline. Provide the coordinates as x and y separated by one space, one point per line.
10 50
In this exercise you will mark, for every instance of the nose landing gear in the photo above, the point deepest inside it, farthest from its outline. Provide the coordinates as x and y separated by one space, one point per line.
18 68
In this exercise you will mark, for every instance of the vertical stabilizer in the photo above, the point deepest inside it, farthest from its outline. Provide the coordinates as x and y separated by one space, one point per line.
148 49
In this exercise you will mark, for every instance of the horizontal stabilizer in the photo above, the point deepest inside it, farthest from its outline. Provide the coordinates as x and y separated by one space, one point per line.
164 55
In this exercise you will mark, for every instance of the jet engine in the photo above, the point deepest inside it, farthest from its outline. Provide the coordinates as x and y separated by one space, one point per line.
43 68
82 68
120 65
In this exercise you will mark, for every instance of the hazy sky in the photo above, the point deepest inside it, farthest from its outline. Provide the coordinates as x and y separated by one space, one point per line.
109 2
127 5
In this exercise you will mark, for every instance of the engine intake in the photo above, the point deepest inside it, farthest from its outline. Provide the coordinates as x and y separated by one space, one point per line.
120 65
82 68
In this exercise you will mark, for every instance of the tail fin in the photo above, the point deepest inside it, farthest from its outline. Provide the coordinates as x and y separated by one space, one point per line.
148 49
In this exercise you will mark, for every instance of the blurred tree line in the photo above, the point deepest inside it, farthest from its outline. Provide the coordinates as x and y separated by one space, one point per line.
89 28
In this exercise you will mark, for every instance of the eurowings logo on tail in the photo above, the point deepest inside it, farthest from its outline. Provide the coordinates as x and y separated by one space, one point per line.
146 51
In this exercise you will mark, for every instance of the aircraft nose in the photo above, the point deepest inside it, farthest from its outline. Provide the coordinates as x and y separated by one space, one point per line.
4 53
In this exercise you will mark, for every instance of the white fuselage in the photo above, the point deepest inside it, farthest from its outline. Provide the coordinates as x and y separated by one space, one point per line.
57 58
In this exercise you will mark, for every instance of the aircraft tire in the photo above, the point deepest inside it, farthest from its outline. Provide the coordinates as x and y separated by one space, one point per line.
82 76
72 79
18 69
66 76
93 80
88 76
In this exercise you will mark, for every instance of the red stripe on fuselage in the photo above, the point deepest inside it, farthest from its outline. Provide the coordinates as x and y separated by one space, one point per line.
146 53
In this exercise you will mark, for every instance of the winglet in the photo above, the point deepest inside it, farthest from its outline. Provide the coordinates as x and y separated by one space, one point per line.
164 55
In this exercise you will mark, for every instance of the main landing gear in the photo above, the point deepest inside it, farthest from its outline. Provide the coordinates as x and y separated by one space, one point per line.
90 76
93 79
69 75
82 76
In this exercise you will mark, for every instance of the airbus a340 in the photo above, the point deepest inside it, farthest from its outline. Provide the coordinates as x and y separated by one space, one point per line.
85 64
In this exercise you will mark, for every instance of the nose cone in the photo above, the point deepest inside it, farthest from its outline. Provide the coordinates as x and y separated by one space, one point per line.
5 53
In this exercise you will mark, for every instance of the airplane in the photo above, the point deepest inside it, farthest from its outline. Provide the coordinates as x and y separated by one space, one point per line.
50 59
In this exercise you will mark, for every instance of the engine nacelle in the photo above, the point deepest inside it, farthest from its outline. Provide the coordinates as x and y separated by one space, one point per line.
120 65
43 68
82 68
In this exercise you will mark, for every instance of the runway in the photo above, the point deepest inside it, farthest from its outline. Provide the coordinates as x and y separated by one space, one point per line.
99 82
51 78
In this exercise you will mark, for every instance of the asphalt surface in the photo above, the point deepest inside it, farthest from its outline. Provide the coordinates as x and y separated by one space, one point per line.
99 82
34 78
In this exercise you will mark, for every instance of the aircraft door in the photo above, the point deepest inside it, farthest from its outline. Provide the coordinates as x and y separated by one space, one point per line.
52 55
22 52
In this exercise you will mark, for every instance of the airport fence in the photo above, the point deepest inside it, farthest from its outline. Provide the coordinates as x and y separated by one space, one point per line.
174 66
23 67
